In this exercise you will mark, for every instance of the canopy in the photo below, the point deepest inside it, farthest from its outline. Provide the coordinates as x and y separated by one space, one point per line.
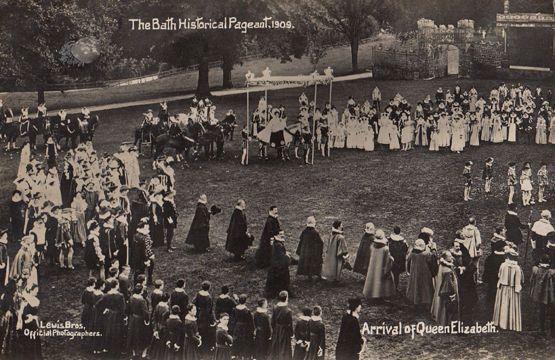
268 80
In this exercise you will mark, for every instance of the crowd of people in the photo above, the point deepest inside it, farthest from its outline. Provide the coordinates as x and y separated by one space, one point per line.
100 205
452 119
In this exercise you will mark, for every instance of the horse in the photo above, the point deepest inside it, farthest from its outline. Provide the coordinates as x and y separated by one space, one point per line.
180 144
148 132
207 136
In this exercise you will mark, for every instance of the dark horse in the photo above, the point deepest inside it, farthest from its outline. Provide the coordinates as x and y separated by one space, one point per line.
209 137
180 144
149 133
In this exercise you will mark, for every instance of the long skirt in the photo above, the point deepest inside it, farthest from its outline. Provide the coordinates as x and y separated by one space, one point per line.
541 136
506 313
512 133
79 230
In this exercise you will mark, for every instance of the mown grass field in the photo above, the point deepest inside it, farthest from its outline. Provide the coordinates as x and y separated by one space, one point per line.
408 189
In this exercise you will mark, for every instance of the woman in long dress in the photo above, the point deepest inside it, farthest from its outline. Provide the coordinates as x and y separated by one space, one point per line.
379 282
458 131
497 130
474 131
224 341
24 159
541 131
512 128
507 309
486 128
552 130
368 138
383 132
443 131
192 339
393 137
407 134
421 132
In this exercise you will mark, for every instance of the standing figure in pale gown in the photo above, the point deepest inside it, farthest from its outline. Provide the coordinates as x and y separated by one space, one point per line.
552 130
512 128
444 129
486 128
541 131
383 132
434 138
497 129
24 159
407 134
505 126
474 130
369 138
526 185
393 136
53 191
507 309
79 206
458 131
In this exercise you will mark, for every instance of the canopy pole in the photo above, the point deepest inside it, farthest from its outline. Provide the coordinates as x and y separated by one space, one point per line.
331 84
314 121
248 128
264 146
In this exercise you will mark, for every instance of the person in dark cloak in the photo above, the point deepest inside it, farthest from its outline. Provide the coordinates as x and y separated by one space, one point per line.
398 249
278 278
16 211
193 341
514 226
317 347
224 341
282 329
88 301
156 219
350 341
206 320
139 258
468 295
363 253
271 229
302 335
170 219
112 309
262 330
198 235
4 260
310 250
139 316
158 321
491 267
179 297
173 336
243 330
541 293
225 303
238 237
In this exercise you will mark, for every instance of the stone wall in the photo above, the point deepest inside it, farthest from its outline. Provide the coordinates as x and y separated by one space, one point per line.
427 55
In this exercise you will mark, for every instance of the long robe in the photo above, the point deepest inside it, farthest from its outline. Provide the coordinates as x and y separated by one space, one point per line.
200 227
507 310
205 320
363 254
138 332
444 310
243 332
491 274
420 289
278 278
302 338
282 331
192 339
224 341
514 226
310 250
379 279
317 340
264 251
237 239
335 257
262 335
349 342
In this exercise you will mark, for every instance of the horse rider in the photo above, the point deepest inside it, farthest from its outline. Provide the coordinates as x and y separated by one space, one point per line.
174 130
163 114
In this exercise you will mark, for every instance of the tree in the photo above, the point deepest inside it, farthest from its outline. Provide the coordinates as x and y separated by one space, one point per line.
355 19
34 32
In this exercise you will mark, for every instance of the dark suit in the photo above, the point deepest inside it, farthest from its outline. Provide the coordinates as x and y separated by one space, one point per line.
513 226
349 342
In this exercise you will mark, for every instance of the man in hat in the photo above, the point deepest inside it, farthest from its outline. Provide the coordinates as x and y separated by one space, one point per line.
310 250
467 174
487 175
278 278
170 219
540 231
271 229
198 235
350 342
491 266
363 252
229 123
421 267
238 237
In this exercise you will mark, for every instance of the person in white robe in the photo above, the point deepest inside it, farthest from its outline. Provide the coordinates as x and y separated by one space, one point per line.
507 309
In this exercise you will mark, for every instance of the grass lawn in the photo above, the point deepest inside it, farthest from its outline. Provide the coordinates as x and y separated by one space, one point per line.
339 58
409 189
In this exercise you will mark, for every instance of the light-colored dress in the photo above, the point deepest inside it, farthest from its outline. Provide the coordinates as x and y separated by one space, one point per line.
541 131
407 134
512 130
393 137
507 309
334 259
369 139
458 140
552 131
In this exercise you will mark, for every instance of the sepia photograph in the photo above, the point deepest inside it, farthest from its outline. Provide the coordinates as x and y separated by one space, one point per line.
277 179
